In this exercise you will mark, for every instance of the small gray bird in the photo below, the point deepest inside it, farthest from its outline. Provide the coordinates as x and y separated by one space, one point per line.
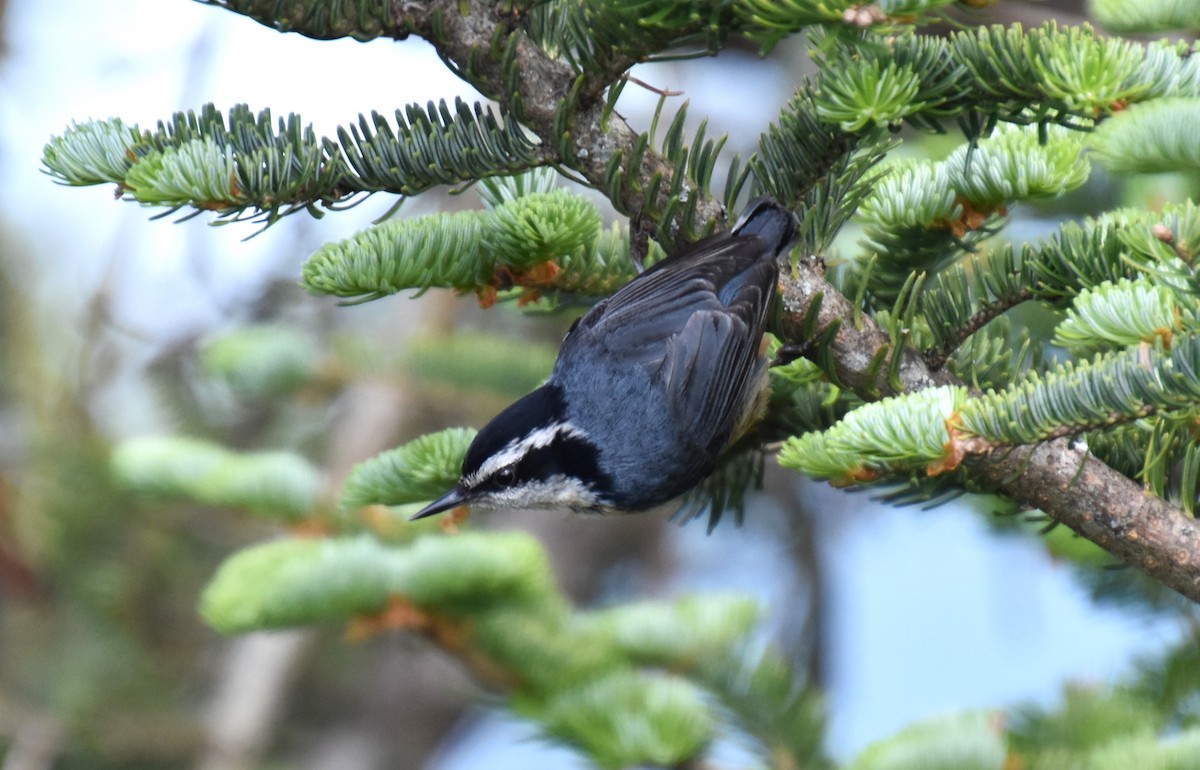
650 386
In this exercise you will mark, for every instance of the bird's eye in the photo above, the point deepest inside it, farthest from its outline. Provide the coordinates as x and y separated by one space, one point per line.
506 477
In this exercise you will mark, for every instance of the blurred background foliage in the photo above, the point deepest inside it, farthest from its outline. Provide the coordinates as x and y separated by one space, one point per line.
111 534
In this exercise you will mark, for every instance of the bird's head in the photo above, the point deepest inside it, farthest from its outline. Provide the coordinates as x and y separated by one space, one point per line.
529 456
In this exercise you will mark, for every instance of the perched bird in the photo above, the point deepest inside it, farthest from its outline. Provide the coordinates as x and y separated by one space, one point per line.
649 387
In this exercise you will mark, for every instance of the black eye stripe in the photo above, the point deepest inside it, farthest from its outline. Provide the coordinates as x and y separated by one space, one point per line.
567 455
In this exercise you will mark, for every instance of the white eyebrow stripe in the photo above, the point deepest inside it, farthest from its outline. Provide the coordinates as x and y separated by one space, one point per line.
543 436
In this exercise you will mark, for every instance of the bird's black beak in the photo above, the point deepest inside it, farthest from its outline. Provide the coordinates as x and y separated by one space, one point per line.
452 499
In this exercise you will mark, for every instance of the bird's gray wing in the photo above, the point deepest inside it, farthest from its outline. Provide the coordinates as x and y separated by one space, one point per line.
694 324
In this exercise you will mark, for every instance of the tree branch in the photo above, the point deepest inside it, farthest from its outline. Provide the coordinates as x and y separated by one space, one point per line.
1067 483
483 43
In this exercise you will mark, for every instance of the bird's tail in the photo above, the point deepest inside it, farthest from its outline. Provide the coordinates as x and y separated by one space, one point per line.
769 221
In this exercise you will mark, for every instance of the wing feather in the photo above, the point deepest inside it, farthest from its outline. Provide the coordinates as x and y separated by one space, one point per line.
694 322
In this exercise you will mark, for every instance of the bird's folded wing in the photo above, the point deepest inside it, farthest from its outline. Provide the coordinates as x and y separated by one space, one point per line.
694 323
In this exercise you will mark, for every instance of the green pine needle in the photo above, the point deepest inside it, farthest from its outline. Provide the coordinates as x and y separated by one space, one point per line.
1018 163
94 152
1121 245
261 361
435 145
441 250
969 741
679 634
864 94
294 582
604 269
420 471
770 20
1146 16
1088 74
268 484
497 190
898 433
466 250
1155 136
1062 71
631 719
536 228
248 165
1117 315
1112 389
202 173
494 363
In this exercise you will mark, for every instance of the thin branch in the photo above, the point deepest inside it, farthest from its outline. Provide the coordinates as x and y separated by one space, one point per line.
484 45
936 358
1067 483
858 340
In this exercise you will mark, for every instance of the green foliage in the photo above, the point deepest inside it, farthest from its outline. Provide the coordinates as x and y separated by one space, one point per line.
541 228
909 212
1170 681
261 361
629 719
1149 137
1118 315
776 20
1178 752
739 471
970 741
907 432
684 175
1147 16
1088 720
648 632
995 356
864 95
770 22
480 361
922 213
417 472
249 167
92 153
603 270
1120 246
269 484
200 172
497 190
895 433
867 75
434 146
1056 71
294 581
820 171
439 250
1162 451
489 596
1018 164
467 250
1087 74
598 36
1111 389
768 703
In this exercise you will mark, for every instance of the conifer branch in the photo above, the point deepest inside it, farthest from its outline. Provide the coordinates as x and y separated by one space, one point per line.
984 76
485 44
1067 483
